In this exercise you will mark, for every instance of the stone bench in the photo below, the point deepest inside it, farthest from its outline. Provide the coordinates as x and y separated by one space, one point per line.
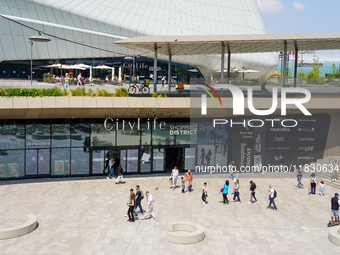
23 229
184 232
334 235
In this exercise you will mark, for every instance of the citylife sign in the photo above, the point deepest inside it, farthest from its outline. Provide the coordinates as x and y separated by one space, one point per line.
174 129
238 101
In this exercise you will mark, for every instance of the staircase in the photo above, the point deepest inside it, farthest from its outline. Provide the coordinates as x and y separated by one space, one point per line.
324 176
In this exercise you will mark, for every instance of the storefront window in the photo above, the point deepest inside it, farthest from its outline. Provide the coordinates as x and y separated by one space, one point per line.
61 135
163 137
38 134
185 133
206 154
80 134
12 164
145 134
79 162
12 135
102 137
206 133
128 136
61 164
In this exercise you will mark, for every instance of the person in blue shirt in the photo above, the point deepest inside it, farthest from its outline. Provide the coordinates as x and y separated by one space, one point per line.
225 192
139 198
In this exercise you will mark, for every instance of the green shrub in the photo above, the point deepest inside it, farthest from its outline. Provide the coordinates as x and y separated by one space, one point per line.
165 95
99 92
154 94
122 92
106 93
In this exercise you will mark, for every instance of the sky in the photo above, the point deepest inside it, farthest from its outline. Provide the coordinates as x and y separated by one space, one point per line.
300 16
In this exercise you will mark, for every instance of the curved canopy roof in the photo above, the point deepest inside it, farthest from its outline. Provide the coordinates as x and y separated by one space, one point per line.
211 44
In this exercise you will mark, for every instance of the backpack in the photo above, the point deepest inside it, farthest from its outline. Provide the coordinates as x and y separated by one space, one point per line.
275 193
141 195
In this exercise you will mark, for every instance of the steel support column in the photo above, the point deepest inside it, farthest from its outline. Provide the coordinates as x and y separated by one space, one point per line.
169 69
296 62
222 63
228 77
285 56
155 68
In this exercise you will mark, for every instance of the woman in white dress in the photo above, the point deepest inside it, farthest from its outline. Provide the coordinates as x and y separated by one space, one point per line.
174 175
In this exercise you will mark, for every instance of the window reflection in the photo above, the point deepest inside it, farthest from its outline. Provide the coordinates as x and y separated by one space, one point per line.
12 164
61 135
60 163
12 134
38 134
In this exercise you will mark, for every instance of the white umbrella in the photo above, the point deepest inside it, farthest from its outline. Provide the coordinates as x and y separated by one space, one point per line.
54 66
83 66
113 73
102 67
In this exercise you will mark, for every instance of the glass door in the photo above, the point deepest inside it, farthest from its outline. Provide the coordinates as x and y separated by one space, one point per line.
44 162
38 163
98 161
130 161
189 161
31 163
158 160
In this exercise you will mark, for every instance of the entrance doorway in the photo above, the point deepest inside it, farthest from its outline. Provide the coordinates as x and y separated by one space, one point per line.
38 163
100 158
173 157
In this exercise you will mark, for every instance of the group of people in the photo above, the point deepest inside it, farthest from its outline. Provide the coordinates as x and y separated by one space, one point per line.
135 201
186 183
313 182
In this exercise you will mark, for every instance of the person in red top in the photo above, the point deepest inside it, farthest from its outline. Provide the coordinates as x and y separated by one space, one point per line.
188 179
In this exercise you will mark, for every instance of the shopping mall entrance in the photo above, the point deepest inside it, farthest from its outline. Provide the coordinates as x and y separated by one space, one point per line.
173 157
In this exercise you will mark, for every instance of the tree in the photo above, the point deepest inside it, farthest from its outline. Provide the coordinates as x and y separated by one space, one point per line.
333 66
314 75
301 75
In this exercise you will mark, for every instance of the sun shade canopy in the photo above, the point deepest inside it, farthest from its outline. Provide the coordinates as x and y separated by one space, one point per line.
211 44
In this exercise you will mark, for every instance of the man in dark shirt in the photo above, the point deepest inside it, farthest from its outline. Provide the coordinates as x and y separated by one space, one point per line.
335 203
120 174
138 199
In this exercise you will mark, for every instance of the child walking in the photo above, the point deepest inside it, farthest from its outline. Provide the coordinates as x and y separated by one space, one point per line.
322 188
205 193
183 184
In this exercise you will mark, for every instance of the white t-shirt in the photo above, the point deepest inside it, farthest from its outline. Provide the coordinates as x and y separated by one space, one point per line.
205 189
174 172
272 192
150 200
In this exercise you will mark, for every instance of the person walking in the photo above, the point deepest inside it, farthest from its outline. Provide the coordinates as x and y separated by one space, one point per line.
205 193
139 197
149 210
79 80
225 146
225 192
188 179
335 203
335 165
131 205
252 192
163 80
237 191
120 174
299 177
312 182
322 188
111 166
174 175
272 196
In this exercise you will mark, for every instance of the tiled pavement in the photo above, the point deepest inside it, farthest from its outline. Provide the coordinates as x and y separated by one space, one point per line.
85 216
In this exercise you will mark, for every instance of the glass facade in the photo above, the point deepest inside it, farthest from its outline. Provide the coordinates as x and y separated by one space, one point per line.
82 147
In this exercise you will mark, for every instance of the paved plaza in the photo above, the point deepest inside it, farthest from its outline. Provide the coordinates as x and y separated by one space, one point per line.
86 216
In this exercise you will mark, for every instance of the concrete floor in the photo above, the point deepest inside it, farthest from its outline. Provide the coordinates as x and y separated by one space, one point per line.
86 216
